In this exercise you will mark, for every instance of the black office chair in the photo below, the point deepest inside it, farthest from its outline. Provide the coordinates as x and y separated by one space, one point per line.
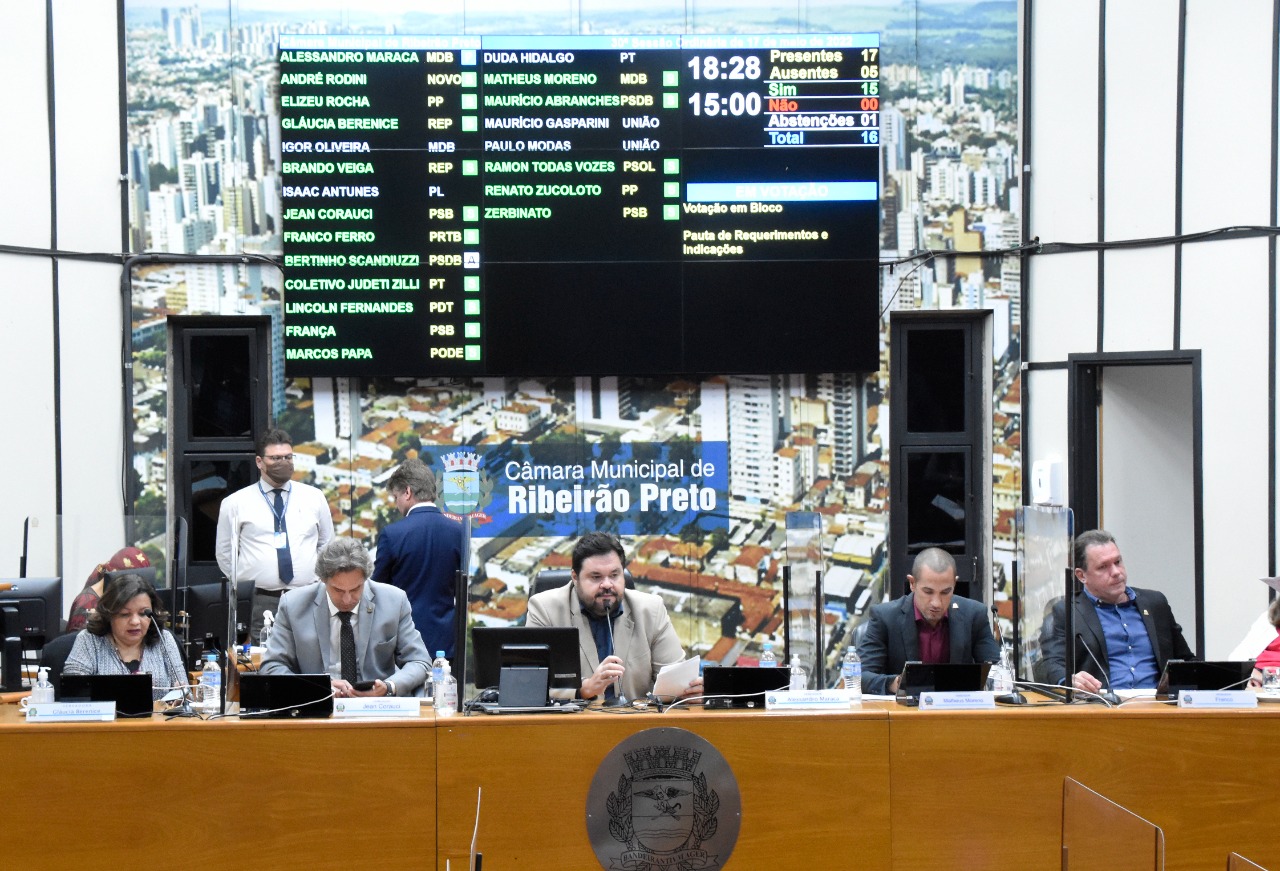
54 657
549 579
859 633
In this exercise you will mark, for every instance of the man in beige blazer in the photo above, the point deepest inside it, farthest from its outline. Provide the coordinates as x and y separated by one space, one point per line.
624 636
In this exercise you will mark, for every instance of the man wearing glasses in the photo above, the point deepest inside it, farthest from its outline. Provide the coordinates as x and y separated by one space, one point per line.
271 531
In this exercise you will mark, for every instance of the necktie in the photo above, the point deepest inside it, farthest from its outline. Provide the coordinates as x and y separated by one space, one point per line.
347 641
284 559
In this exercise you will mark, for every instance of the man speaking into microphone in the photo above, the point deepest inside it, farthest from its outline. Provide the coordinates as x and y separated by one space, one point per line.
625 637
1123 635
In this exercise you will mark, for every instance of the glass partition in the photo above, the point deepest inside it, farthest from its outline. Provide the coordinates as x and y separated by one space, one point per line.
1099 834
804 604
61 556
1044 536
73 546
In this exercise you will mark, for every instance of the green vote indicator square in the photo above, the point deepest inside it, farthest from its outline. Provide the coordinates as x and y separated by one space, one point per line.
471 236
470 101
470 124
671 166
471 330
471 283
470 167
471 307
671 189
670 78
469 80
470 213
670 100
670 213
471 352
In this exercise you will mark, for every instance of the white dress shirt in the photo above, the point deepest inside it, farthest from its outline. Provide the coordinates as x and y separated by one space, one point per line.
248 515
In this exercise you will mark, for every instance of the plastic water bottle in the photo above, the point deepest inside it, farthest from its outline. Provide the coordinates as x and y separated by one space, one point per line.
767 659
445 699
851 673
1000 677
437 671
210 683
799 677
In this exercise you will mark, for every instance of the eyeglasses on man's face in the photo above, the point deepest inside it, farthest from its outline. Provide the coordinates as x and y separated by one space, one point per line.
279 458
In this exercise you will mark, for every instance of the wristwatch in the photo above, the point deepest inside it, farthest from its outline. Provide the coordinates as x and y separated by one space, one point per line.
391 688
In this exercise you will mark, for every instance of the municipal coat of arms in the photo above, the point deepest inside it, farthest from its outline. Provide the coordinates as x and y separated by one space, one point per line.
663 799
460 488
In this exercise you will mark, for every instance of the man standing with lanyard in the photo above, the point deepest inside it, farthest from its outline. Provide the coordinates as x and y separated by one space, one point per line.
279 525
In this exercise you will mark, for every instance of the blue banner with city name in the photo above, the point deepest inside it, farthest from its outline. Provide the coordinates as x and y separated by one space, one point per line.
568 487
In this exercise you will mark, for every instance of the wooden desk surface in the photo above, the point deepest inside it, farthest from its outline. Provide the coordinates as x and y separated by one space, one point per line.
218 794
989 783
884 788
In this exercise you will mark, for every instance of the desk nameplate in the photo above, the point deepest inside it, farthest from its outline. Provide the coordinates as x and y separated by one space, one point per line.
71 712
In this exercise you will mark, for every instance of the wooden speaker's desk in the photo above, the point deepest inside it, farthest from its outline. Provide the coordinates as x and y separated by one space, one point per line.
814 789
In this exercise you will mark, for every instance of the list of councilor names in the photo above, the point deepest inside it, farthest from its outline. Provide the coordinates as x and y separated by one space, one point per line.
429 179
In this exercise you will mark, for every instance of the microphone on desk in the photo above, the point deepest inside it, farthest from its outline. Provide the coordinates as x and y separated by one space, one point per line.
619 699
1106 695
183 710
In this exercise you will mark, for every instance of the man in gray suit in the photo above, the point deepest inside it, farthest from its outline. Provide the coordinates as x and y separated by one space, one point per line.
929 624
359 631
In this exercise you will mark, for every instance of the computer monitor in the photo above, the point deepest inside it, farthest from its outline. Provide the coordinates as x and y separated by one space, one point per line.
147 573
487 643
31 609
206 608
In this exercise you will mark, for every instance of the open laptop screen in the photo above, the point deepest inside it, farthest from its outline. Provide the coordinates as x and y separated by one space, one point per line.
1187 674
286 695
919 677
130 692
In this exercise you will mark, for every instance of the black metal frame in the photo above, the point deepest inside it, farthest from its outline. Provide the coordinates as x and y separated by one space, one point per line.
1083 373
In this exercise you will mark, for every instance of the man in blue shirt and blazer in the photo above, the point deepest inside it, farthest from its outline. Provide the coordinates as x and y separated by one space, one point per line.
421 554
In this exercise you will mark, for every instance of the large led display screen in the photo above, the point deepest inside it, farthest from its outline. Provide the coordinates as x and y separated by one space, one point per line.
465 205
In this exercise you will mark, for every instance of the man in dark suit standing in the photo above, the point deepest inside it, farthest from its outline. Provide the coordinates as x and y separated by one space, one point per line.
929 624
421 554
1124 635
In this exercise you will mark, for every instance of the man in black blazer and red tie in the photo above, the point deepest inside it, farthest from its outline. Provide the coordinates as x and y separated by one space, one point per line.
929 624
421 554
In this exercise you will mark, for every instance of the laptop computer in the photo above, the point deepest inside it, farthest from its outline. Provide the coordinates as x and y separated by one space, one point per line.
1189 674
733 687
285 696
130 692
918 677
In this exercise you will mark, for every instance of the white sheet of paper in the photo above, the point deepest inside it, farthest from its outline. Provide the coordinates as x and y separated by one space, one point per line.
674 679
